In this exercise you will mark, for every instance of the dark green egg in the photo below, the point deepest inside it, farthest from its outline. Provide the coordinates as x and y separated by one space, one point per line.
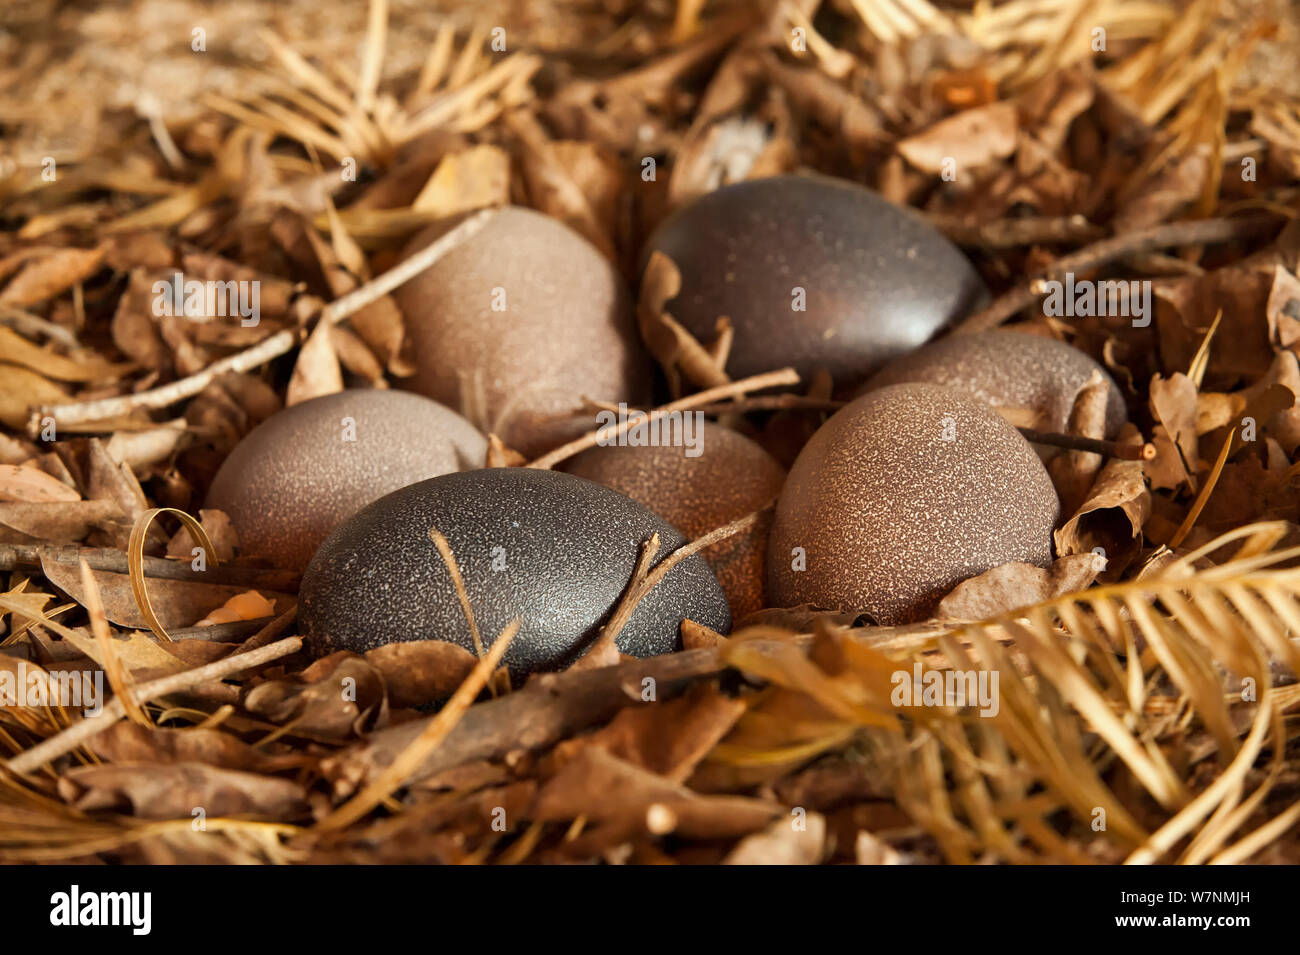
813 272
552 549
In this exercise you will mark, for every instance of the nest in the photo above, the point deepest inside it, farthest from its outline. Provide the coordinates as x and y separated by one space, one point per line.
1142 704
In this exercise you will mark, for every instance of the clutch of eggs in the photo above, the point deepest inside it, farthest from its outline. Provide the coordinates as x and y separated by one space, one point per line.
914 486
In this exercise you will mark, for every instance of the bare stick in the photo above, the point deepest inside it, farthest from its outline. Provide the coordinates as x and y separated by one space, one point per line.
771 379
1009 233
264 351
408 761
773 403
644 579
114 561
407 269
553 706
1205 231
1073 442
76 734
101 408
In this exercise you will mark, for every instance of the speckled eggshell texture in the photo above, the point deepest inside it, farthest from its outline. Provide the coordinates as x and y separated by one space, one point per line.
296 476
878 279
526 317
1007 368
891 516
729 478
554 550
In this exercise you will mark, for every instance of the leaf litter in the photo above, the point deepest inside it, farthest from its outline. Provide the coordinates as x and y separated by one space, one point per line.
1149 673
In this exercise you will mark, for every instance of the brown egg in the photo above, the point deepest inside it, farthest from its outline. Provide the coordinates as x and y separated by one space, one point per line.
305 470
522 320
900 496
1012 370
730 477
813 272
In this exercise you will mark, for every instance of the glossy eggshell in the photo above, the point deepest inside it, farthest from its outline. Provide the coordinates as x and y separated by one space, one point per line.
729 478
296 477
552 549
566 329
891 516
878 279
1012 369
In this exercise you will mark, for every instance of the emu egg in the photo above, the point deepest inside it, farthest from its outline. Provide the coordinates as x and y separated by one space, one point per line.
728 477
1009 369
306 469
552 549
519 322
813 272
900 496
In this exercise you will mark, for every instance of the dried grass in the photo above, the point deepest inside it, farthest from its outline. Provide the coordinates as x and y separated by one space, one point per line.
1142 719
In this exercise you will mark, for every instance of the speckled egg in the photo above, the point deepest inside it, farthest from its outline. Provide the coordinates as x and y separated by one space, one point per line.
900 496
813 272
549 548
697 489
514 326
1012 370
306 469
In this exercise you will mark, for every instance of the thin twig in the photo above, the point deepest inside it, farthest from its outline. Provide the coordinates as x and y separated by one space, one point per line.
264 351
1073 442
553 706
458 582
408 761
110 560
1010 233
121 405
1200 232
771 379
773 403
76 734
644 579
408 268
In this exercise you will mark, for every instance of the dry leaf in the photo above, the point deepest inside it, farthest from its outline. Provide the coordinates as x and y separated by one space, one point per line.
317 371
44 277
963 142
1173 405
249 605
465 181
177 603
176 790
328 699
669 738
25 483
20 389
20 351
604 788
127 742
1074 471
1017 585
421 671
1111 518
